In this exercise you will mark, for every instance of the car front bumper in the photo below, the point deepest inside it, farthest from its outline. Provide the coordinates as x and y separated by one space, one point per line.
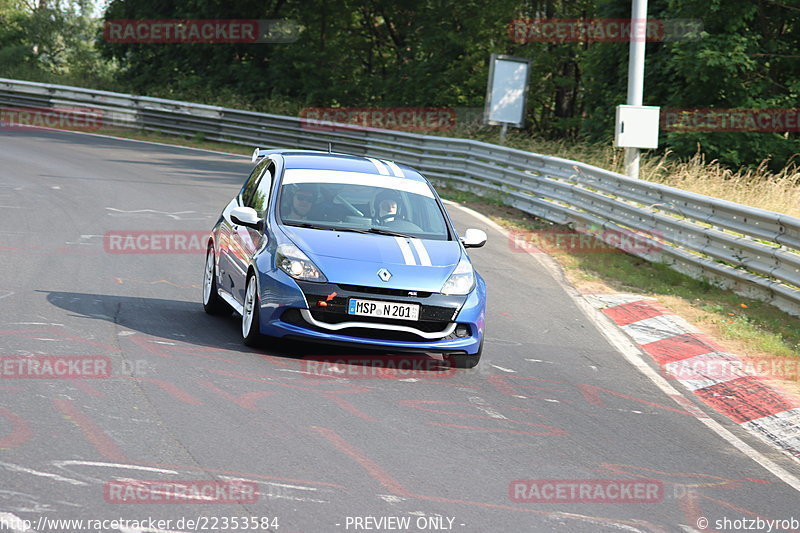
318 312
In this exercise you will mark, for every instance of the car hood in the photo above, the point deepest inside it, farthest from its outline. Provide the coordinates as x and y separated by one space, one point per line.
355 258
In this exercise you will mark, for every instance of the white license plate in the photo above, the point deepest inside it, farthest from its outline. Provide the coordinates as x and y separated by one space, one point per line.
383 309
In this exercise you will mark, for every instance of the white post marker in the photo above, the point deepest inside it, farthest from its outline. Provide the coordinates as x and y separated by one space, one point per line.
635 92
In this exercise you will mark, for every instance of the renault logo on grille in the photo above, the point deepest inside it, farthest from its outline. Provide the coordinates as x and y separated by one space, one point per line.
384 274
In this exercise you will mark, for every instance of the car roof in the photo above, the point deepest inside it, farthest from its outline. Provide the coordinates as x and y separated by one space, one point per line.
309 159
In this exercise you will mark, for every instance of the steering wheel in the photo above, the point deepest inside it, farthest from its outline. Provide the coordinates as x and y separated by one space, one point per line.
384 219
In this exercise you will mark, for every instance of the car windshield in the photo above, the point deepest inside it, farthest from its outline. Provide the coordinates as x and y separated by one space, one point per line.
351 201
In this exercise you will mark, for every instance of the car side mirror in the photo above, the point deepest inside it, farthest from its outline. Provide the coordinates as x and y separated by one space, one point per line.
246 216
474 238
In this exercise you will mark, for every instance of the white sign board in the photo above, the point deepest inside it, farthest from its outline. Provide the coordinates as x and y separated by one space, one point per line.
637 126
507 92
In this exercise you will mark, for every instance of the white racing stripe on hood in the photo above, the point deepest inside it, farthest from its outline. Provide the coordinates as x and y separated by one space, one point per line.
424 258
408 255
397 171
379 165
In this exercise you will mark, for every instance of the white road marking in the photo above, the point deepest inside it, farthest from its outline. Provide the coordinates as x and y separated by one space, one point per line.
25 470
390 498
781 428
9 522
658 328
177 215
601 301
272 483
510 371
481 405
540 361
71 462
283 495
36 323
83 239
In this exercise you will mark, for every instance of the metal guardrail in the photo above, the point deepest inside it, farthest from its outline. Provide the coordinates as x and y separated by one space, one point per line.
751 251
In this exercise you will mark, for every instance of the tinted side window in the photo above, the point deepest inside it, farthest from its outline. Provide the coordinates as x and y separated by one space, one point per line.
259 200
252 182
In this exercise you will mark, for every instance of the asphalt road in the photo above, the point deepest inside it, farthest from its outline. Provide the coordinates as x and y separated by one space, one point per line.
331 448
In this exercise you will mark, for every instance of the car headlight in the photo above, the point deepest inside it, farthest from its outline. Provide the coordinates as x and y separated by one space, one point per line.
461 281
294 262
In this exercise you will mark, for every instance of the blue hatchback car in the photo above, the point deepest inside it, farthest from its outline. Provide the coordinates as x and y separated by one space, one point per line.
343 249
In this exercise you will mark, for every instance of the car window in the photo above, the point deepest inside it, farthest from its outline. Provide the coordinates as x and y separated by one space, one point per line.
350 202
252 182
259 199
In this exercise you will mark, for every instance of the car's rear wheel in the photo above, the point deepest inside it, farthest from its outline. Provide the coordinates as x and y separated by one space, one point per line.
251 334
212 303
462 360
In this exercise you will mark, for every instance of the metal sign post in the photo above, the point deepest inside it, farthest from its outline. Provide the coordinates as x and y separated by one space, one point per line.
636 74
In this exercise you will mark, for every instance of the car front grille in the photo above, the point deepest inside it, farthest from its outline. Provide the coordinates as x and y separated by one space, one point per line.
384 291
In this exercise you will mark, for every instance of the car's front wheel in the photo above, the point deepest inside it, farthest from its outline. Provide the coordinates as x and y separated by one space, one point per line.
212 303
251 334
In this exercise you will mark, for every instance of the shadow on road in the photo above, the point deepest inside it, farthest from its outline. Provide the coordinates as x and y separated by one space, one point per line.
186 322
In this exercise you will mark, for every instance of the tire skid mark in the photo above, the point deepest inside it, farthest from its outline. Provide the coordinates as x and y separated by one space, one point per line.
245 400
20 430
397 489
96 436
170 388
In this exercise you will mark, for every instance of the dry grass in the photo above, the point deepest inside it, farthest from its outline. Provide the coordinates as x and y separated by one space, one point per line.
756 187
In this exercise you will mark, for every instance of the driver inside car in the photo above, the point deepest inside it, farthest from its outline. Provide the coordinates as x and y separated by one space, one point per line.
386 207
300 203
